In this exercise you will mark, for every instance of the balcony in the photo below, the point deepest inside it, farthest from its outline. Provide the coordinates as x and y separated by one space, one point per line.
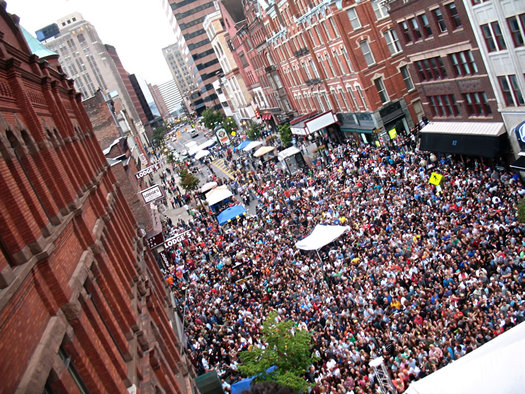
301 52
314 81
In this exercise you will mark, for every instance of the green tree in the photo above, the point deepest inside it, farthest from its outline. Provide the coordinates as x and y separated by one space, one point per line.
253 132
229 124
187 180
286 134
287 347
158 137
211 117
170 159
521 210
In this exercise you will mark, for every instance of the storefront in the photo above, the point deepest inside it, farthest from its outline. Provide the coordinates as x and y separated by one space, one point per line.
318 125
357 126
393 117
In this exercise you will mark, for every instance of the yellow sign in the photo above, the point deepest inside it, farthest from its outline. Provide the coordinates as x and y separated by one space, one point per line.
378 143
435 178
233 133
392 133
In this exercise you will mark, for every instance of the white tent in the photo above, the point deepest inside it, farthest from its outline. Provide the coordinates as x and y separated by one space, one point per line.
263 150
207 144
193 150
190 144
321 236
218 194
208 186
495 367
252 145
287 153
202 153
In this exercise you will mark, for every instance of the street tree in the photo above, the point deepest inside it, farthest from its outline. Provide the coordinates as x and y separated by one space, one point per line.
286 134
521 210
287 348
210 118
253 131
229 125
158 137
188 181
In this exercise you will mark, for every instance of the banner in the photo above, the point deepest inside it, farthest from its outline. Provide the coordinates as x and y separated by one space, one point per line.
176 239
152 194
147 170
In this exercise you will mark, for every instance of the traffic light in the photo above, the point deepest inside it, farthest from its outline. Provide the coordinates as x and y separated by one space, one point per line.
257 113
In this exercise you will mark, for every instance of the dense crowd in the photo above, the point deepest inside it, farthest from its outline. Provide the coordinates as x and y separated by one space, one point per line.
424 275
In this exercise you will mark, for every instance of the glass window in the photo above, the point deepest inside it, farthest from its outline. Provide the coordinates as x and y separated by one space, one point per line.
406 78
427 30
336 31
354 19
392 41
516 30
453 15
477 104
361 96
498 35
379 9
489 38
511 92
406 32
381 90
415 28
438 16
347 59
367 53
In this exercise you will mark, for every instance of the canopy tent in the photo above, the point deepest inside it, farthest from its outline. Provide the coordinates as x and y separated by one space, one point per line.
321 236
495 367
193 150
287 153
207 144
252 145
202 153
230 213
242 145
208 186
190 144
218 194
263 150
245 384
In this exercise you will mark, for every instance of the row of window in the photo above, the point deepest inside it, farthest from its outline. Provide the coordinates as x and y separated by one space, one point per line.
493 35
434 68
476 104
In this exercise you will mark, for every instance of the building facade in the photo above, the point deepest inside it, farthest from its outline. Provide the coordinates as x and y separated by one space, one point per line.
499 27
171 96
179 68
82 301
202 61
159 100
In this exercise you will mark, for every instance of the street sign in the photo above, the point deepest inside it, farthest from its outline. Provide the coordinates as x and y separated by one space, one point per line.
152 194
176 239
435 179
147 170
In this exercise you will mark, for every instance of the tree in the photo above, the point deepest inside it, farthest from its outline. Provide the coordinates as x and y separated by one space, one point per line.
286 134
211 117
521 210
158 137
229 124
188 181
287 347
253 132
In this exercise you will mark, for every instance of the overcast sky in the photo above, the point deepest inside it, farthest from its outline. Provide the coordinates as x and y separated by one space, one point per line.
138 29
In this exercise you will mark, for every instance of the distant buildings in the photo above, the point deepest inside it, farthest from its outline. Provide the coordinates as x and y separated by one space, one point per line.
179 68
171 96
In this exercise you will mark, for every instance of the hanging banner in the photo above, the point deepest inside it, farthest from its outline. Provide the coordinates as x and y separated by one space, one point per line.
147 170
152 194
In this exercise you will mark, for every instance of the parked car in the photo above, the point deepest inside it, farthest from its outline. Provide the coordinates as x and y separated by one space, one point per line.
194 134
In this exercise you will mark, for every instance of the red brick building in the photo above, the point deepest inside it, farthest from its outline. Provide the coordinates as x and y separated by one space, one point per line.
83 307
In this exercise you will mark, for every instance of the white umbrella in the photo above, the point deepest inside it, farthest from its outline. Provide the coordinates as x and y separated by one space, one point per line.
263 150
218 194
208 186
202 153
252 145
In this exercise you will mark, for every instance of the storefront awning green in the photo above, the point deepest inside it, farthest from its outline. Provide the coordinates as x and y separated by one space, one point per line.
354 130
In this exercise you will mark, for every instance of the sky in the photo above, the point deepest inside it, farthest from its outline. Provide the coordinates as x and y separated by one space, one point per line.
138 29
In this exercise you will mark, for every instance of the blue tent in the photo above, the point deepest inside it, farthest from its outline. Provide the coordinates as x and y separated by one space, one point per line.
242 145
242 385
230 213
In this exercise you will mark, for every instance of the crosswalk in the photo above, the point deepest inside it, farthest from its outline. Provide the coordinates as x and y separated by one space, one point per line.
221 165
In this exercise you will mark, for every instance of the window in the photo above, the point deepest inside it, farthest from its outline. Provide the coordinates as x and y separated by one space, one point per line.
493 37
406 32
321 62
463 63
406 78
392 41
517 29
326 30
454 16
380 10
367 53
342 93
330 64
477 104
511 91
338 103
444 105
361 96
316 73
354 19
430 69
475 2
381 90
438 16
339 63
412 22
347 59
336 31
356 105
427 30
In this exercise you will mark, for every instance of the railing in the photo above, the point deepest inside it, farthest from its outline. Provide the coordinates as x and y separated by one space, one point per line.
314 81
301 52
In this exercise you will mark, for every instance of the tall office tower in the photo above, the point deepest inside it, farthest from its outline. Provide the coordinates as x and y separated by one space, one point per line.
83 305
159 100
142 102
180 71
86 60
171 95
189 16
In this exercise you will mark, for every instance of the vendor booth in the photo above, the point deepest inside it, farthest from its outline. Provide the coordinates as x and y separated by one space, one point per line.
321 236
291 159
230 214
218 198
252 145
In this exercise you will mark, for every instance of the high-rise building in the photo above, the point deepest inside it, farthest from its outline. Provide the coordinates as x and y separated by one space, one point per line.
201 58
179 68
83 305
86 60
159 100
171 95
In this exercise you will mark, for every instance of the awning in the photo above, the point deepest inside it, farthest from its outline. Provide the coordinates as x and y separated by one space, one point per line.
202 153
519 164
356 129
242 145
207 144
193 150
298 129
218 194
287 153
321 236
482 139
190 144
208 186
263 150
266 116
252 145
231 213
314 124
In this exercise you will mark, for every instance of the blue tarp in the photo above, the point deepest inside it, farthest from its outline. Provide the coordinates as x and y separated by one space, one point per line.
242 145
230 213
242 385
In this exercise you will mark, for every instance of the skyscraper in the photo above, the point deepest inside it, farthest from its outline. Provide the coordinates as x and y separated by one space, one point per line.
179 68
171 95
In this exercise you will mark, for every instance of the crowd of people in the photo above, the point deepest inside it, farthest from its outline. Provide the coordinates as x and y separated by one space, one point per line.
424 275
